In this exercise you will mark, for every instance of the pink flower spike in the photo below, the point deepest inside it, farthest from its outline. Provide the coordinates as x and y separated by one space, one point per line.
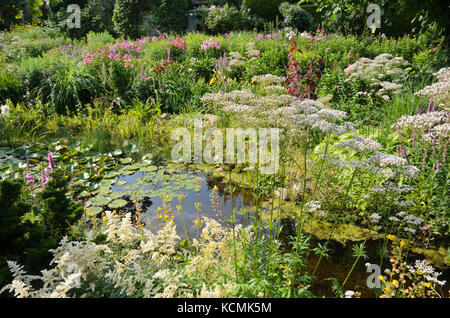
51 162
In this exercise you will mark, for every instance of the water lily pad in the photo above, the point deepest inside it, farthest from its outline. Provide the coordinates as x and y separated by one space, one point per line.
121 182
125 161
117 204
100 200
93 210
115 195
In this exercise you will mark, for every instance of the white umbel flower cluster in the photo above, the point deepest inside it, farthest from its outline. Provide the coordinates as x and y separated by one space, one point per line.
384 74
439 91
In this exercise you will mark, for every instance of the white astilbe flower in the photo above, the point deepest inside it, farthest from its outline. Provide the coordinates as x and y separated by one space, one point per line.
313 206
161 246
120 233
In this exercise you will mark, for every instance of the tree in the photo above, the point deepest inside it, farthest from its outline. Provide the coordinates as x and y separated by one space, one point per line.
17 11
128 14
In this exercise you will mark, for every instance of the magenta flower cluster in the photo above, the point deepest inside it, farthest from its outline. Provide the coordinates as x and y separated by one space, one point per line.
118 51
210 43
45 174
179 44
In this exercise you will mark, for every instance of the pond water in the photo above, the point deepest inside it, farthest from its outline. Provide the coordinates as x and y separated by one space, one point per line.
163 188
158 187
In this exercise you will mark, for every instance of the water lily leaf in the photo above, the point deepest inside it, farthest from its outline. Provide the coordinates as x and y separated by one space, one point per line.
115 195
84 194
94 210
100 200
126 161
117 204
121 182
110 175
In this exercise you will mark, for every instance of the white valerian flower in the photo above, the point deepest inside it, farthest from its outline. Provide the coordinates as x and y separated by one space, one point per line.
375 217
5 111
349 294
439 91
360 143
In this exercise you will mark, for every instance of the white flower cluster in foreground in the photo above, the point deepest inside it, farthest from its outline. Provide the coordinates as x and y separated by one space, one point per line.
384 74
132 262
439 91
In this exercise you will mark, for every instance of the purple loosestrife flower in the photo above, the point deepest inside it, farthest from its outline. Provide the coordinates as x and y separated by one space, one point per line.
438 166
51 162
30 178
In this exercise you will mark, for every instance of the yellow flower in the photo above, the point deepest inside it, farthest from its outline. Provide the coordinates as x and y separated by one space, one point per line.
391 237
253 80
427 284
134 201
402 243
275 275
281 266
395 283
382 278
382 296
215 188
212 81
167 196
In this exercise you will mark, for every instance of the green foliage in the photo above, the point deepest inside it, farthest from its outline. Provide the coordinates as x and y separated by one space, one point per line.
26 232
295 17
228 18
266 9
58 211
11 87
12 11
171 16
67 86
127 17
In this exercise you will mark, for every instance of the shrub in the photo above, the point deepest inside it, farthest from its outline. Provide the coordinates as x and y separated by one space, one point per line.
127 17
26 232
171 15
228 18
295 17
10 86
266 9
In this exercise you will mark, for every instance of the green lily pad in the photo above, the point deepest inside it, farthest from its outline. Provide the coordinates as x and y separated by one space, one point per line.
117 204
100 200
94 210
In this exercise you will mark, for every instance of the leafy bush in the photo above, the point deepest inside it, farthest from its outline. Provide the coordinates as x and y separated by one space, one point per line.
66 86
266 9
26 231
11 87
171 15
295 17
228 18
